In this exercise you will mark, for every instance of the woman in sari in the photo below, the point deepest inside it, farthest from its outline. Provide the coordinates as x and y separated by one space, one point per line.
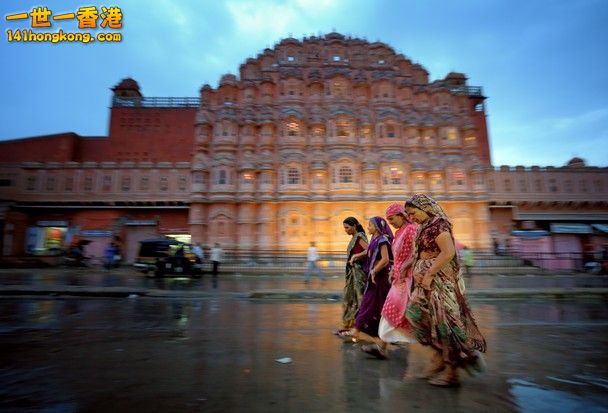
355 276
438 310
377 285
394 327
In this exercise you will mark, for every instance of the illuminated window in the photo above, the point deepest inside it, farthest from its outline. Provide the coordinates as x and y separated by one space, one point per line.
470 139
452 136
293 129
343 128
339 89
459 178
366 132
247 178
293 176
317 131
395 176
345 175
436 180
390 131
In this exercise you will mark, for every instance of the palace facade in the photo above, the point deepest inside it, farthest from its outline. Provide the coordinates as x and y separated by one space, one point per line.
308 133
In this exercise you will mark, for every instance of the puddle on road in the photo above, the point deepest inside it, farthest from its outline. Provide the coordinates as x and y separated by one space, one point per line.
532 398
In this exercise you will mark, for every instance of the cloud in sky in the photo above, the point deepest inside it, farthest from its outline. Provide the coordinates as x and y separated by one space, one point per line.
541 64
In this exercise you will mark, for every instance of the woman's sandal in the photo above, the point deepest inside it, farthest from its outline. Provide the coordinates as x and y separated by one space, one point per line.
375 351
476 367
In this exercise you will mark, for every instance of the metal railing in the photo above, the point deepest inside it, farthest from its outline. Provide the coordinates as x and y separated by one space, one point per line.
155 102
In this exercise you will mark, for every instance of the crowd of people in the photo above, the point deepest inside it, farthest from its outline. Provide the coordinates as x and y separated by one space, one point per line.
407 287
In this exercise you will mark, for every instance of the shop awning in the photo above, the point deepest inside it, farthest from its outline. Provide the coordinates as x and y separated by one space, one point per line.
532 233
557 217
571 228
601 227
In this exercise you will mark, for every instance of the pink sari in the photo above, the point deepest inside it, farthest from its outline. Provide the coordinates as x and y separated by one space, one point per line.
399 294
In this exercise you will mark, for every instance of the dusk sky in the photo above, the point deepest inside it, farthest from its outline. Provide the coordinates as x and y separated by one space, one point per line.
542 64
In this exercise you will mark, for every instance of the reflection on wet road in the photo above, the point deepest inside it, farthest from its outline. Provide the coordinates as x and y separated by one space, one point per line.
218 354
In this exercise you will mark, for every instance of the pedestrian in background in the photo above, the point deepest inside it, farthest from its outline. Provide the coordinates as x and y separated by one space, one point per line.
468 261
198 251
312 266
217 255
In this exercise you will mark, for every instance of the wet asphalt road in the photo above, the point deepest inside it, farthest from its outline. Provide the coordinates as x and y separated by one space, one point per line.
218 355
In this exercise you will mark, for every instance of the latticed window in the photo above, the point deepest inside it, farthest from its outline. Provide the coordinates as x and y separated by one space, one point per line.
125 183
144 183
345 175
30 185
88 183
69 184
293 176
50 183
183 182
107 183
164 183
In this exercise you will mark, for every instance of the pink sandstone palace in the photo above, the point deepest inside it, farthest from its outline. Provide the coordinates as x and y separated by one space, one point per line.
308 133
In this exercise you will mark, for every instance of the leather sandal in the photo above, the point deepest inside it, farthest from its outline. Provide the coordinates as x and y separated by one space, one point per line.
375 351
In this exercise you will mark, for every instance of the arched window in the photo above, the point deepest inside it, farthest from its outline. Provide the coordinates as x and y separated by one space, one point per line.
395 176
339 89
222 177
293 129
345 175
293 176
342 128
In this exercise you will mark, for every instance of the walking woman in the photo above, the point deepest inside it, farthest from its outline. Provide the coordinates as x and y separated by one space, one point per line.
377 285
355 276
438 310
394 326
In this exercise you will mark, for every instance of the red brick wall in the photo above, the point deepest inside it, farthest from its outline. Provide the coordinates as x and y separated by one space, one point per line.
150 134
57 148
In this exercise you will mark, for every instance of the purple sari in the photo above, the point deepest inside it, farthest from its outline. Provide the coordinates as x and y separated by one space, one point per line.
369 314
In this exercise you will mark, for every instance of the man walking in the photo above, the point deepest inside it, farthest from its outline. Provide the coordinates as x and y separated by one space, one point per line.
312 258
216 257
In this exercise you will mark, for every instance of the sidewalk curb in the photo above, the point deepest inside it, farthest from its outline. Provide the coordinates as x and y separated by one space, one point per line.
283 294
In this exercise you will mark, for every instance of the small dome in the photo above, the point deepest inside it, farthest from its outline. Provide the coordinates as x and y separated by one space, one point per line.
126 84
228 79
576 161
